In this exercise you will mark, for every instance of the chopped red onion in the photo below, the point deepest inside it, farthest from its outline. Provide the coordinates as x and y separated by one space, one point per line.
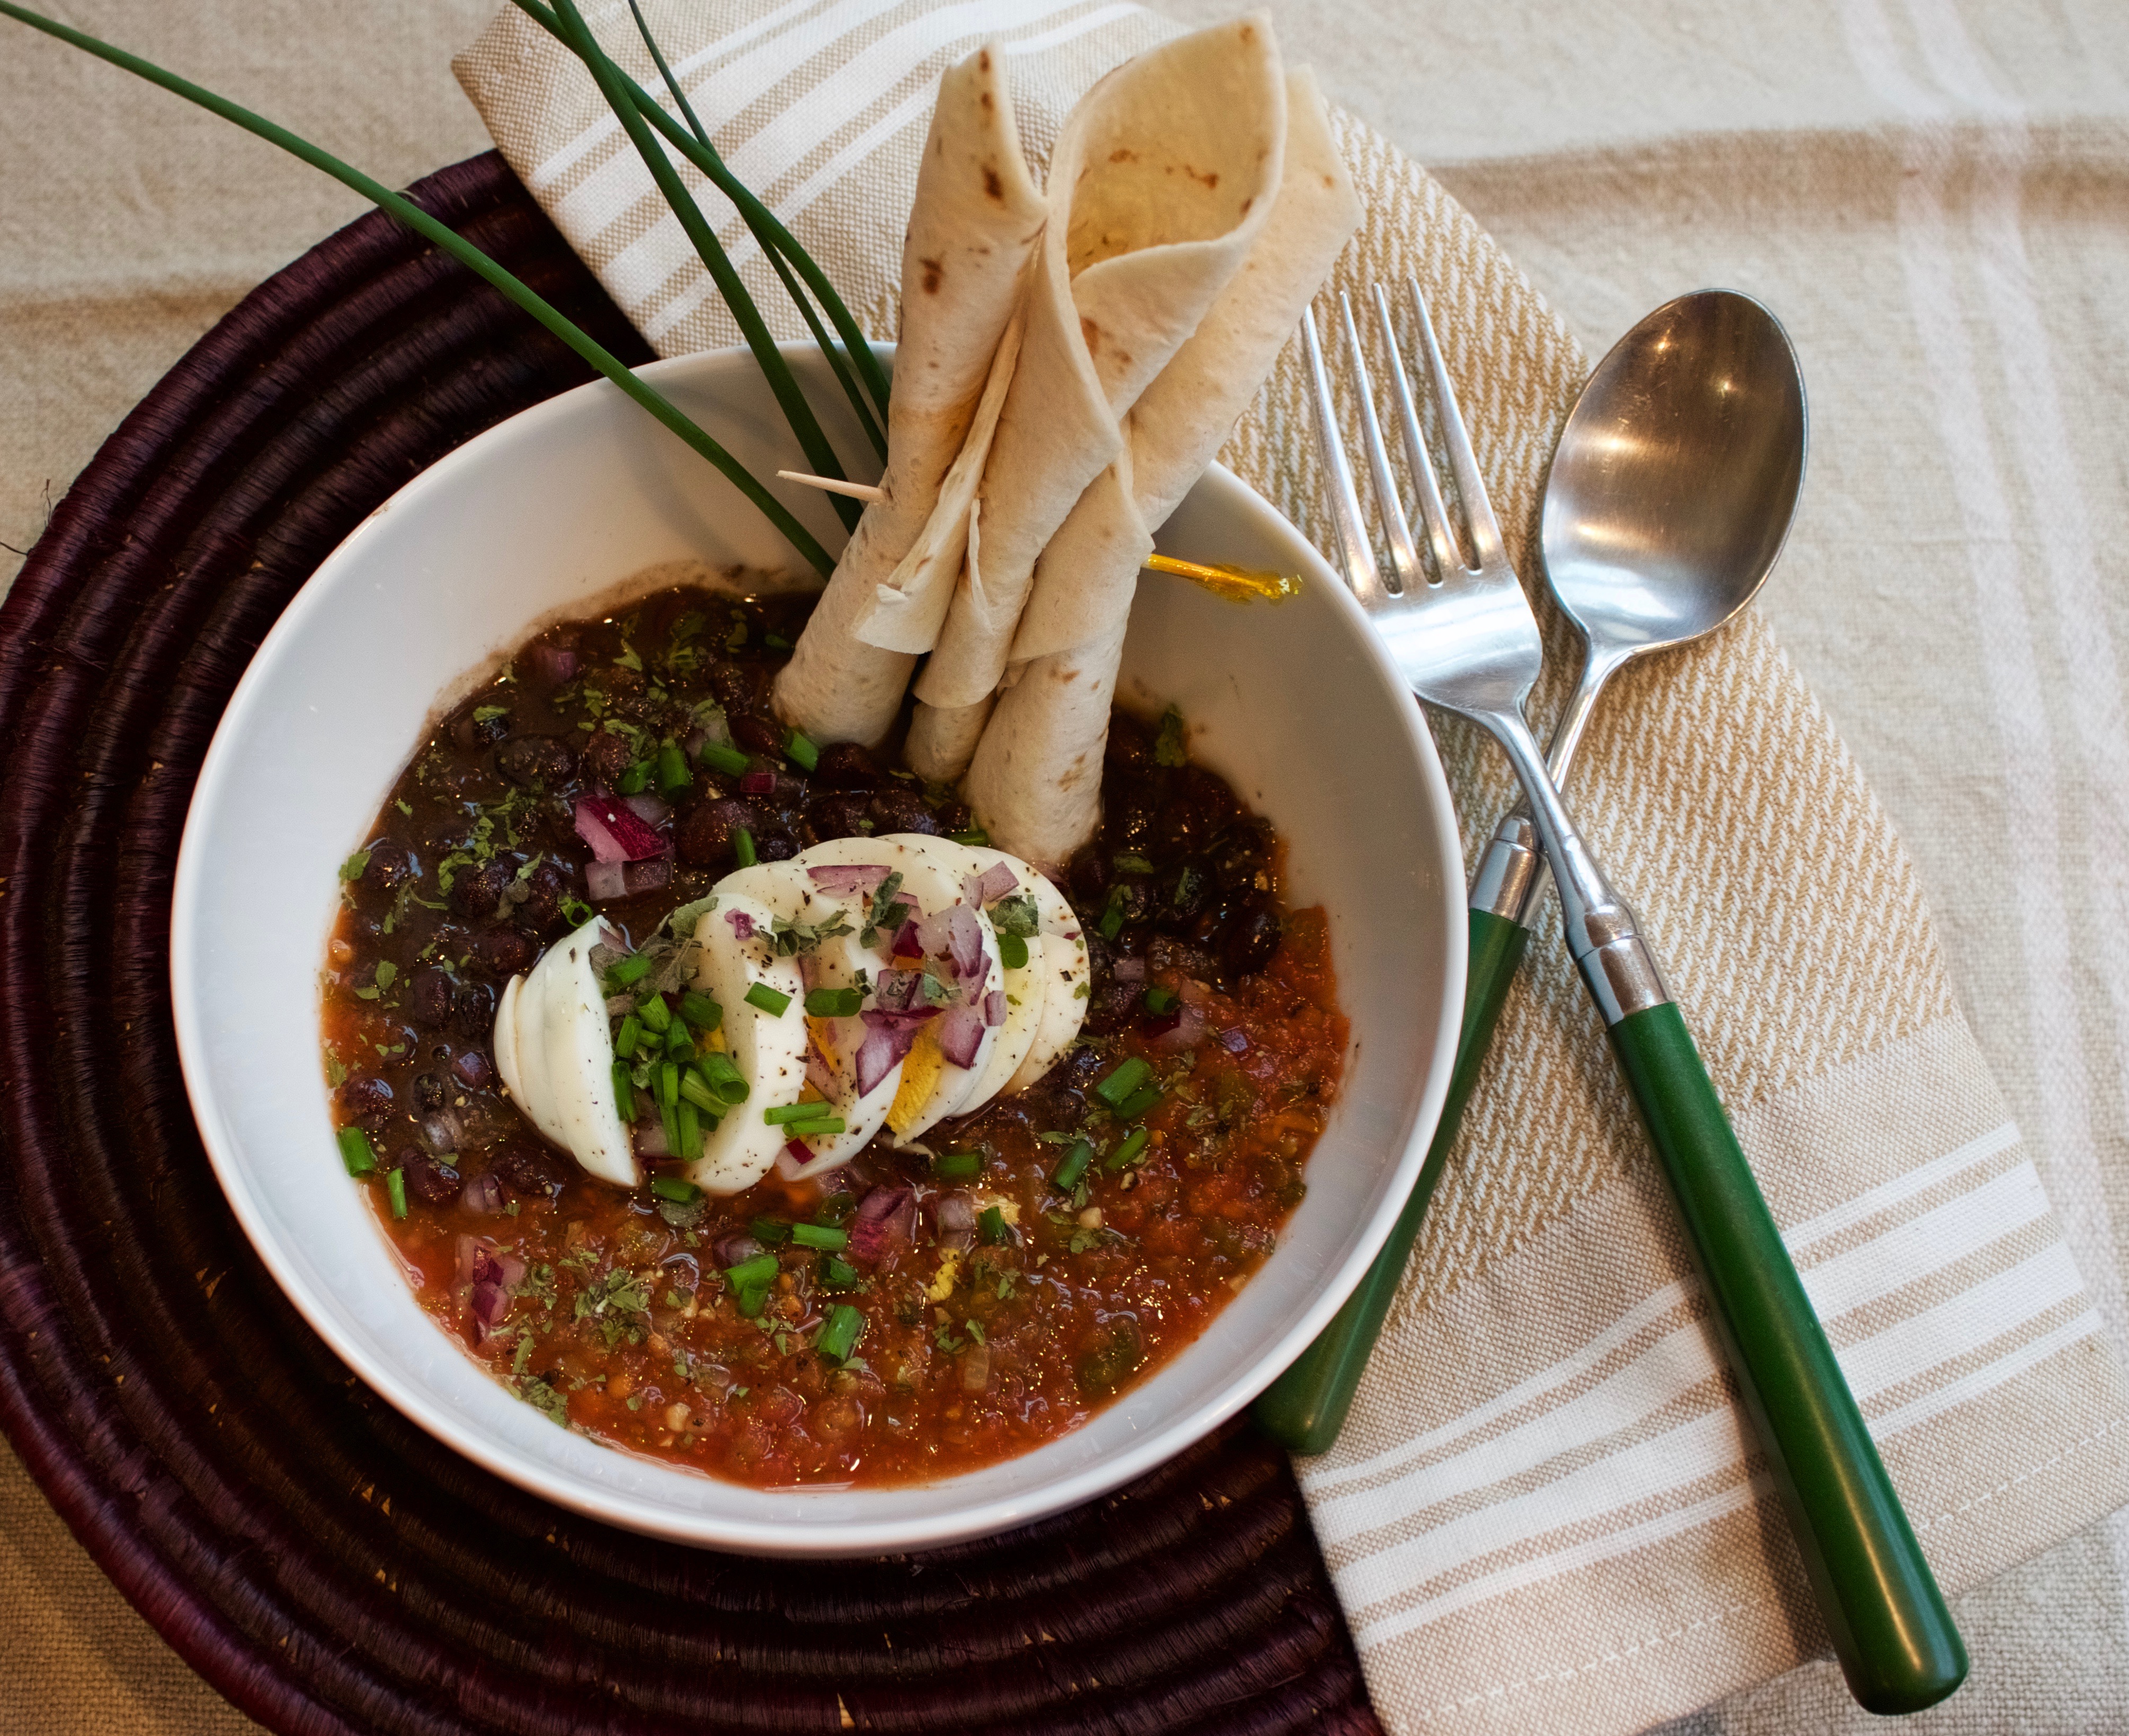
742 924
484 1194
615 831
895 990
692 746
994 1007
990 886
960 1033
650 1139
954 1214
551 665
647 877
648 808
1182 1030
606 880
1128 969
886 1219
757 783
908 941
467 1248
964 939
976 1368
850 880
736 1250
513 1272
819 1074
793 1159
1235 1041
809 970
473 1070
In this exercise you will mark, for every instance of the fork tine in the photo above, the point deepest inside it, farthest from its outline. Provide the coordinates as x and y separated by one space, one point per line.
1478 511
1404 553
1441 534
1355 553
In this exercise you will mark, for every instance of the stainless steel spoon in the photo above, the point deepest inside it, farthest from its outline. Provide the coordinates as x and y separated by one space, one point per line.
1670 494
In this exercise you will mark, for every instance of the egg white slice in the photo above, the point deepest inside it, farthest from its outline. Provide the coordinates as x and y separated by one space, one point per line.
577 1045
929 876
767 1049
1066 977
1026 988
528 1045
787 889
504 1042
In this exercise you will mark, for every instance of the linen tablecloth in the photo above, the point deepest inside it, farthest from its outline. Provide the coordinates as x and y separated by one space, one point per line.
1932 202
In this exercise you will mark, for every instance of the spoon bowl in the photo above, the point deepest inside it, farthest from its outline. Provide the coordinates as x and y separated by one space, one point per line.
1676 478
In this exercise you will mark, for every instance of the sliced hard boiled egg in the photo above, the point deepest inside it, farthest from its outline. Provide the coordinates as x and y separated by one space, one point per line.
953 1046
833 961
555 1053
766 1043
505 1043
1025 986
1065 979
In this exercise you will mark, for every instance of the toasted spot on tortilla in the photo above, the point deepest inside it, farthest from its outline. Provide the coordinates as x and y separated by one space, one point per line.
1123 153
1092 334
993 186
934 274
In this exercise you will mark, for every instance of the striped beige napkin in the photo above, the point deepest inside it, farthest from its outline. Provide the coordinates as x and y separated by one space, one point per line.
1546 1512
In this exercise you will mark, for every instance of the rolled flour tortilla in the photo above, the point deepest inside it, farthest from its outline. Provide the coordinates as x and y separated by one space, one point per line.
1036 780
974 224
1162 179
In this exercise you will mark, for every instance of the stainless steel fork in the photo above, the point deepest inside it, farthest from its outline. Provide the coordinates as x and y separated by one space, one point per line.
1466 641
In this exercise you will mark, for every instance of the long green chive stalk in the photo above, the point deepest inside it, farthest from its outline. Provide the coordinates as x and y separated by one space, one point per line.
448 241
773 238
837 361
797 412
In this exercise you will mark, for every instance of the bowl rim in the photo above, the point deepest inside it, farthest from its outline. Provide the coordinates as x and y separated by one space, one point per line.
769 1536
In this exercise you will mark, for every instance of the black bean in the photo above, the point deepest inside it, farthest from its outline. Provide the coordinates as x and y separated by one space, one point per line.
606 757
1180 893
526 1168
1238 856
758 735
538 762
544 889
706 831
429 1093
844 765
390 864
1111 1006
505 951
1130 744
773 843
837 815
427 1178
901 808
1250 942
476 891
473 1071
429 998
365 1094
473 1009
740 688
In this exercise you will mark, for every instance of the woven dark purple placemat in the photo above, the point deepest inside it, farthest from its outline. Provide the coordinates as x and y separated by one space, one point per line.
322 1562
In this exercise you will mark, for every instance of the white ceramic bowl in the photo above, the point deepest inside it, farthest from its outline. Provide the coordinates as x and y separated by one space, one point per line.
544 517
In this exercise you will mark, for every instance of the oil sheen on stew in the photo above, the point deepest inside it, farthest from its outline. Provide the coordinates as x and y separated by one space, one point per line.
1032 1260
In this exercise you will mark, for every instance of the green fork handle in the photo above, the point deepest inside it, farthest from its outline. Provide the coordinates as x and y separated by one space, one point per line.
1896 1640
1304 1409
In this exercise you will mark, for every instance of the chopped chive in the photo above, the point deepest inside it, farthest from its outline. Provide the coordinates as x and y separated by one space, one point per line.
743 850
690 1123
975 834
766 999
629 971
1012 952
694 1089
1162 1000
819 1128
726 1080
837 1209
957 1166
680 1192
1138 1103
624 1092
636 780
1123 1081
395 1185
774 1231
721 756
817 1235
761 1269
1133 865
669 1118
673 776
839 1336
990 1226
835 1274
750 1299
1074 1167
701 1011
665 1083
785 1113
679 1042
655 1014
834 1003
356 1152
628 1036
777 642
1128 1152
1112 924
800 750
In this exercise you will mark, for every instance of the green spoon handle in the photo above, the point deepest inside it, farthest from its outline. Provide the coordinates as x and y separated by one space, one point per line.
1890 1628
1305 1407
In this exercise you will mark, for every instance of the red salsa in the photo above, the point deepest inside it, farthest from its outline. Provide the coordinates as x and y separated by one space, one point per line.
914 1313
